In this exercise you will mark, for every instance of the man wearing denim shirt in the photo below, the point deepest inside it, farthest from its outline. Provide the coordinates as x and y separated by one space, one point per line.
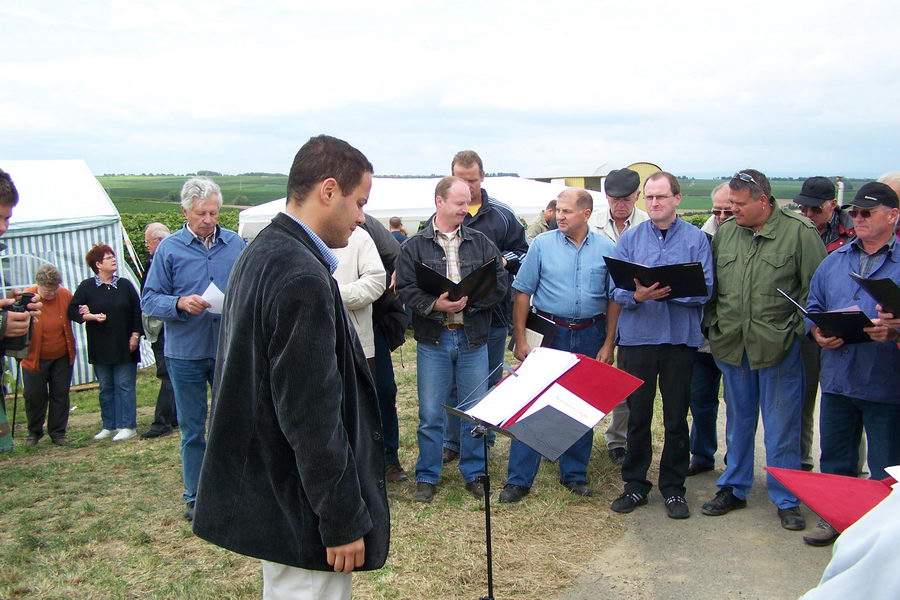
658 339
564 275
452 335
184 266
859 381
754 334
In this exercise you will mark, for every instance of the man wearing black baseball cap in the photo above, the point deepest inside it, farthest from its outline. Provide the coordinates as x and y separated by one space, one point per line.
817 203
622 188
859 381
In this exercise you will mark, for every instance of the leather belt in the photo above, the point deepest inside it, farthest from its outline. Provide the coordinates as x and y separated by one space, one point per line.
453 325
573 324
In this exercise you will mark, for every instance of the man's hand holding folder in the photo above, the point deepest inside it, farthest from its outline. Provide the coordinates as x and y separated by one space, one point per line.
644 293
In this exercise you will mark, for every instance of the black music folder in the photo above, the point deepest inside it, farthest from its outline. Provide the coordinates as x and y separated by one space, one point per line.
539 332
845 324
685 279
476 285
885 292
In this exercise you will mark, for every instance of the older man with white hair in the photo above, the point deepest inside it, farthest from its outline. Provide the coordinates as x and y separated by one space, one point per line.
185 264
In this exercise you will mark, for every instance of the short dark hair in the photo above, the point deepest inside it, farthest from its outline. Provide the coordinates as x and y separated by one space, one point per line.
322 157
96 254
444 185
583 199
674 186
467 158
551 204
9 196
759 186
395 222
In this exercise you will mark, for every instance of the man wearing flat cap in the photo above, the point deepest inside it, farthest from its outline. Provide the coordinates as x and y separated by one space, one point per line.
859 381
817 203
835 227
622 191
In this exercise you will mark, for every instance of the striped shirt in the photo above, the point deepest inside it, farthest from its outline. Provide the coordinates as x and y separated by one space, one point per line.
450 243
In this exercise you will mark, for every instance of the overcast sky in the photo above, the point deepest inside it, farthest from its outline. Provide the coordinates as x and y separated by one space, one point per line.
699 88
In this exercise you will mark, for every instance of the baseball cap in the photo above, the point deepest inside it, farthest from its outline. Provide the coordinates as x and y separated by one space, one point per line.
815 192
875 193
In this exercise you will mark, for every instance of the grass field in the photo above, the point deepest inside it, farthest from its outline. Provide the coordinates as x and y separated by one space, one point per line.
101 520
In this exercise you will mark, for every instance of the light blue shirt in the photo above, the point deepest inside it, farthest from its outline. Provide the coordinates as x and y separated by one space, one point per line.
869 371
668 321
563 279
183 266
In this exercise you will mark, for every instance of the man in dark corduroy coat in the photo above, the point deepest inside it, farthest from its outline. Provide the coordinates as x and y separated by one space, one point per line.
294 469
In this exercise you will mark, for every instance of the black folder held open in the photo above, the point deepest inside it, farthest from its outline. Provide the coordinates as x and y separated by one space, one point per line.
845 324
885 292
476 285
685 279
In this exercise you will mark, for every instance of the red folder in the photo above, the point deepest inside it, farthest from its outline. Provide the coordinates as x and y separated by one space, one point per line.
841 501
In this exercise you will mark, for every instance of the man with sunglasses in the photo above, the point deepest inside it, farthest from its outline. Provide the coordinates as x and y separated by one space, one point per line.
622 188
817 203
705 375
858 381
754 334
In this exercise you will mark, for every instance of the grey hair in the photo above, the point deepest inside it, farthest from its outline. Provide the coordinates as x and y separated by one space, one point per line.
889 178
716 189
157 231
47 276
198 188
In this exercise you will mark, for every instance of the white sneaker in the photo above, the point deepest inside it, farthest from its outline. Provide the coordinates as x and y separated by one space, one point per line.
104 433
124 434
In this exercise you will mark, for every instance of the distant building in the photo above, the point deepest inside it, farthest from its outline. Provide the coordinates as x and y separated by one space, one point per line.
592 179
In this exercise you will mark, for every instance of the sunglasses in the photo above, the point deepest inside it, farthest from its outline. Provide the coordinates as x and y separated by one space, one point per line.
811 209
865 213
721 211
745 177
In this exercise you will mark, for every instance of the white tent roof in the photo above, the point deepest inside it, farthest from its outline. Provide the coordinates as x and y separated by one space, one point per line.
53 193
413 199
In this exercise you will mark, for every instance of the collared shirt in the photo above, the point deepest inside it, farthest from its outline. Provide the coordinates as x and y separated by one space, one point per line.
326 252
838 230
674 321
113 284
183 266
747 314
870 262
869 371
208 241
603 223
563 279
450 243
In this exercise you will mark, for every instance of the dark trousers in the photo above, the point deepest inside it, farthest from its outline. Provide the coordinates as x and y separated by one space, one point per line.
705 379
165 416
48 388
386 389
672 365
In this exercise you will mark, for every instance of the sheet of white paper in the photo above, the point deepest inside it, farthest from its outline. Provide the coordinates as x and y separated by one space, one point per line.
567 403
540 368
895 473
215 297
533 338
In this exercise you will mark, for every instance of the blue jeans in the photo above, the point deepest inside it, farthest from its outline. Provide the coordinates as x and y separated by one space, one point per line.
496 346
841 421
386 389
523 461
118 402
705 378
777 393
441 368
189 380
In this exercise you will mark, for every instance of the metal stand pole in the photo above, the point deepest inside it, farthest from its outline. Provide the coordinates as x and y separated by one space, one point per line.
486 481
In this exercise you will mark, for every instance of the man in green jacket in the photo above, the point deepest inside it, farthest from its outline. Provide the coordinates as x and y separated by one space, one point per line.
754 334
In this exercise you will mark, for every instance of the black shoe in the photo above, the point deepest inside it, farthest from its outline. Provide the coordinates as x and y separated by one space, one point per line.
424 491
156 433
448 455
791 519
189 511
394 473
677 508
579 488
513 493
31 441
628 501
476 488
616 456
697 468
723 502
806 466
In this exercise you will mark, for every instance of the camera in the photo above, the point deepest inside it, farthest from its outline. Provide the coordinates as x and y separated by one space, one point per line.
20 305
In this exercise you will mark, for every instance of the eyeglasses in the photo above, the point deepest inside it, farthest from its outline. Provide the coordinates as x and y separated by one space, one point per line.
722 211
108 257
865 213
745 177
657 198
811 209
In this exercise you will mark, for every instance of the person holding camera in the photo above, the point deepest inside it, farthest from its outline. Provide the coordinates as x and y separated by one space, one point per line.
47 370
15 312
110 308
